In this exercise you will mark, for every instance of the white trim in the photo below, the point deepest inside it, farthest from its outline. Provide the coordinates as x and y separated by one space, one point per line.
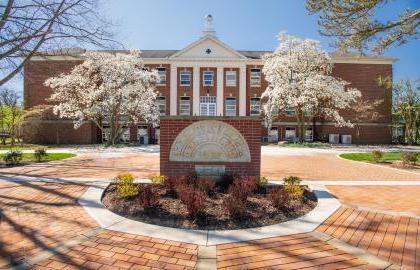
203 39
196 91
173 90
92 204
242 91
219 99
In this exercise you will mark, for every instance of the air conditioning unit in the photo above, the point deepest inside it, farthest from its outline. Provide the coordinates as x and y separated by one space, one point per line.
346 139
334 138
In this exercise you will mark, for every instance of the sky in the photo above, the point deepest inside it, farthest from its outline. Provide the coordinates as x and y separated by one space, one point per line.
242 24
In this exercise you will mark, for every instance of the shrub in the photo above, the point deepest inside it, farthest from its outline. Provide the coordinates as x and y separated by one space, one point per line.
280 198
236 208
148 197
191 179
158 179
409 158
293 187
40 154
206 185
242 187
377 155
261 181
13 157
225 181
193 200
125 185
172 185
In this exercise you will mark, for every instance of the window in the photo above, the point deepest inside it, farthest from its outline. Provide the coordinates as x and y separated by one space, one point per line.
106 133
185 78
290 134
255 106
230 78
125 135
208 77
309 135
273 135
255 77
162 76
161 103
290 111
230 106
184 106
208 105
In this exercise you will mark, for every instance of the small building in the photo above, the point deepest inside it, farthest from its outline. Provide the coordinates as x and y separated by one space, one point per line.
209 78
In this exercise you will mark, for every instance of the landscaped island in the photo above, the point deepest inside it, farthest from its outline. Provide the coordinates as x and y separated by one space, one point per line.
193 203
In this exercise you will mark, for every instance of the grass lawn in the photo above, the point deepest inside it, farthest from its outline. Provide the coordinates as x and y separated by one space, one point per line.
50 157
20 146
388 156
306 145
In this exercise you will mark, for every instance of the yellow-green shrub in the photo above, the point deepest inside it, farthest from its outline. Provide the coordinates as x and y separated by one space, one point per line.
158 179
293 187
261 181
125 185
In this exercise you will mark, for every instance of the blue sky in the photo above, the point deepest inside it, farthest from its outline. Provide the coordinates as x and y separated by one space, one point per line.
242 24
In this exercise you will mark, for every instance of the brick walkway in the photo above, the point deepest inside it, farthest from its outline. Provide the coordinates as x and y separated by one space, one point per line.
113 250
329 167
311 167
287 252
393 238
394 198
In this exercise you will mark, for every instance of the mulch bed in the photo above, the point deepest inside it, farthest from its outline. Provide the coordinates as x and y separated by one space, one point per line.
171 212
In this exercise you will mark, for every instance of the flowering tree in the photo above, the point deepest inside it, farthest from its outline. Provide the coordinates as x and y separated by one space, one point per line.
112 89
299 77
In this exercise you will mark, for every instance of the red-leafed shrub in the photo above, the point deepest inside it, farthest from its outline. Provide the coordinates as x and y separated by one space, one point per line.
148 197
280 198
206 186
191 179
242 188
172 185
193 200
225 181
236 208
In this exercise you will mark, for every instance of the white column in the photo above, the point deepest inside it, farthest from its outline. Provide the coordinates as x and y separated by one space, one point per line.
196 90
242 91
173 90
219 98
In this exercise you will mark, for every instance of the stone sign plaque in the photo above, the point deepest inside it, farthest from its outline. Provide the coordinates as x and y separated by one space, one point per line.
210 170
210 141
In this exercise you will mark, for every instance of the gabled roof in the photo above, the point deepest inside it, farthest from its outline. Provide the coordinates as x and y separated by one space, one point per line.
198 49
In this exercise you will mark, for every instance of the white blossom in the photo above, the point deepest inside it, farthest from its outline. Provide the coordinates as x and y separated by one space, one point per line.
107 88
299 76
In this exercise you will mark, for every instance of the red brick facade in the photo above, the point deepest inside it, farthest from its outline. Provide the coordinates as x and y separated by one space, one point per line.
362 76
249 127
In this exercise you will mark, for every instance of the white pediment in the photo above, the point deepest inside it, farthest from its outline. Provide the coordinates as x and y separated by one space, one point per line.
208 47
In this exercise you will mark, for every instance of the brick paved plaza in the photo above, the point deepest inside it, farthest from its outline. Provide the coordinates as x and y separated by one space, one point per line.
43 226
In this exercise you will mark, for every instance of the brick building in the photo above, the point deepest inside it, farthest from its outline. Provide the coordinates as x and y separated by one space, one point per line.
209 78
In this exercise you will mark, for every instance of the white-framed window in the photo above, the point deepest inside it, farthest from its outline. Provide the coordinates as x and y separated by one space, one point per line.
185 78
161 103
255 77
230 104
106 133
184 106
125 135
290 134
231 78
162 76
309 134
273 134
208 105
290 111
208 78
255 106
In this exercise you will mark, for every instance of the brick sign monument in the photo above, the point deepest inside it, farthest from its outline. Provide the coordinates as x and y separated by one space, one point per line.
210 146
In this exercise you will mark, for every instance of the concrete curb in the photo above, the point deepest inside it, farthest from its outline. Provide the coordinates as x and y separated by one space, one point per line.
91 202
